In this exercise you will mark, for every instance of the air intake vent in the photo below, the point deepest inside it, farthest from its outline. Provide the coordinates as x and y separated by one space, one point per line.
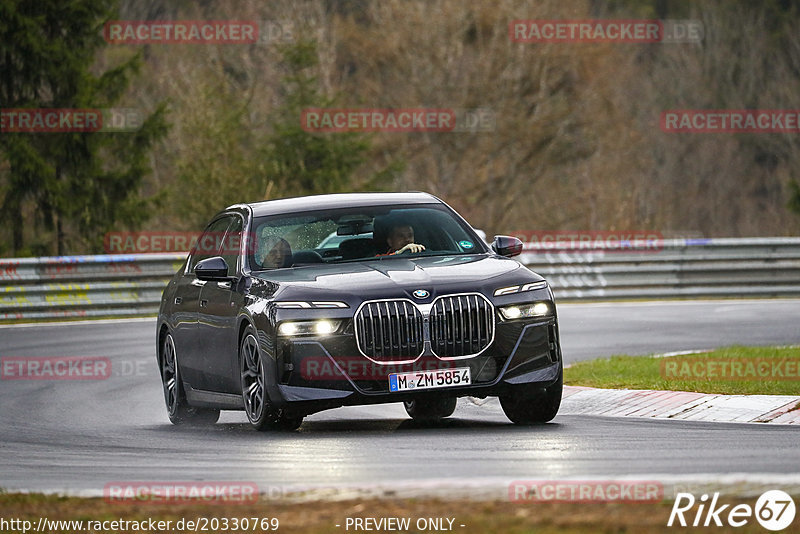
389 331
461 325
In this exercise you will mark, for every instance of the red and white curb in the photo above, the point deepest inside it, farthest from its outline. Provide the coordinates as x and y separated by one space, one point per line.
682 405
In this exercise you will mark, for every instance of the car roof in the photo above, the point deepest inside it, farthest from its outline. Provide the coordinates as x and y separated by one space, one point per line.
339 200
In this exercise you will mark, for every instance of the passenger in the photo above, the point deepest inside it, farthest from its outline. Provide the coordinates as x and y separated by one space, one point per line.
275 253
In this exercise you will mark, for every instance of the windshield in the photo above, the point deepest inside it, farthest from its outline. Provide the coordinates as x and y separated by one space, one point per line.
360 234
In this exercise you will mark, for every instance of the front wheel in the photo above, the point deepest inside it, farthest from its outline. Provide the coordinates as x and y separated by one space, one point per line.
537 407
260 411
430 410
178 408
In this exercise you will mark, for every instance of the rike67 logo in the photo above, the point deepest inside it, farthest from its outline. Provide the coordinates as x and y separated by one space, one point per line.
774 510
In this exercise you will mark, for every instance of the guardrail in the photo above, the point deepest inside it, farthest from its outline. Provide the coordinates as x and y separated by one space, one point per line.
128 285
84 286
669 268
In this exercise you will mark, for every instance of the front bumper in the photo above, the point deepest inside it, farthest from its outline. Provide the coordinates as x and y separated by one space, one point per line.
316 373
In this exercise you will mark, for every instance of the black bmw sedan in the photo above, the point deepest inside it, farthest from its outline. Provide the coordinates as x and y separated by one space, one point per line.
289 307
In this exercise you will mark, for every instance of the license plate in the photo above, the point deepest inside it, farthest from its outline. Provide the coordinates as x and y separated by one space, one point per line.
442 378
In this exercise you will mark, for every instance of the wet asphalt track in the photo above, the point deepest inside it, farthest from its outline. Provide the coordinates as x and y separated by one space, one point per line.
78 436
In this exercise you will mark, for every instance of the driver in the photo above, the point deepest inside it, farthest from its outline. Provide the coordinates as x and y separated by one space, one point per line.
401 239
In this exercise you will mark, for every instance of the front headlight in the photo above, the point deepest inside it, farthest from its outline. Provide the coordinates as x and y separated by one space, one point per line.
530 309
306 304
320 327
510 290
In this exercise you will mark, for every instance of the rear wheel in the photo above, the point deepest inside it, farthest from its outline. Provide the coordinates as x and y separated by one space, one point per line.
430 409
260 411
539 406
178 408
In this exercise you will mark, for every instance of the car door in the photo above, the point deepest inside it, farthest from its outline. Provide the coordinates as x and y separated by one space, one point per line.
219 307
187 303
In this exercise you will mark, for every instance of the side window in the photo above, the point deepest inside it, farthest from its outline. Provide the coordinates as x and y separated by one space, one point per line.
233 245
210 242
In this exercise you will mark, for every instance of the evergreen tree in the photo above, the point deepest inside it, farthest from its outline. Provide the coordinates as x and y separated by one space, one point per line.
301 162
76 185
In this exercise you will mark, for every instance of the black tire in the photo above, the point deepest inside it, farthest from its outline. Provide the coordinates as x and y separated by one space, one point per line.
178 408
430 409
289 422
260 411
537 407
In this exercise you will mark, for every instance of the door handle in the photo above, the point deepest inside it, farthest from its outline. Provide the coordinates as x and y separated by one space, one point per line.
178 300
203 303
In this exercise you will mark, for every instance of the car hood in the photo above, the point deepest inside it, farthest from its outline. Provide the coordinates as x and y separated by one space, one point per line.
396 277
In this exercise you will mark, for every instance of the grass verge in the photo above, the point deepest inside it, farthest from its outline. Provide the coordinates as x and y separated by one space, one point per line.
733 370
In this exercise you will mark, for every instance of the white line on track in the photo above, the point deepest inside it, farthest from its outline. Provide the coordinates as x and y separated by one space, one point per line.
81 323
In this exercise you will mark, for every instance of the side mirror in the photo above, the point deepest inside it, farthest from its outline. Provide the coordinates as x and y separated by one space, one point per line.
212 269
507 246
